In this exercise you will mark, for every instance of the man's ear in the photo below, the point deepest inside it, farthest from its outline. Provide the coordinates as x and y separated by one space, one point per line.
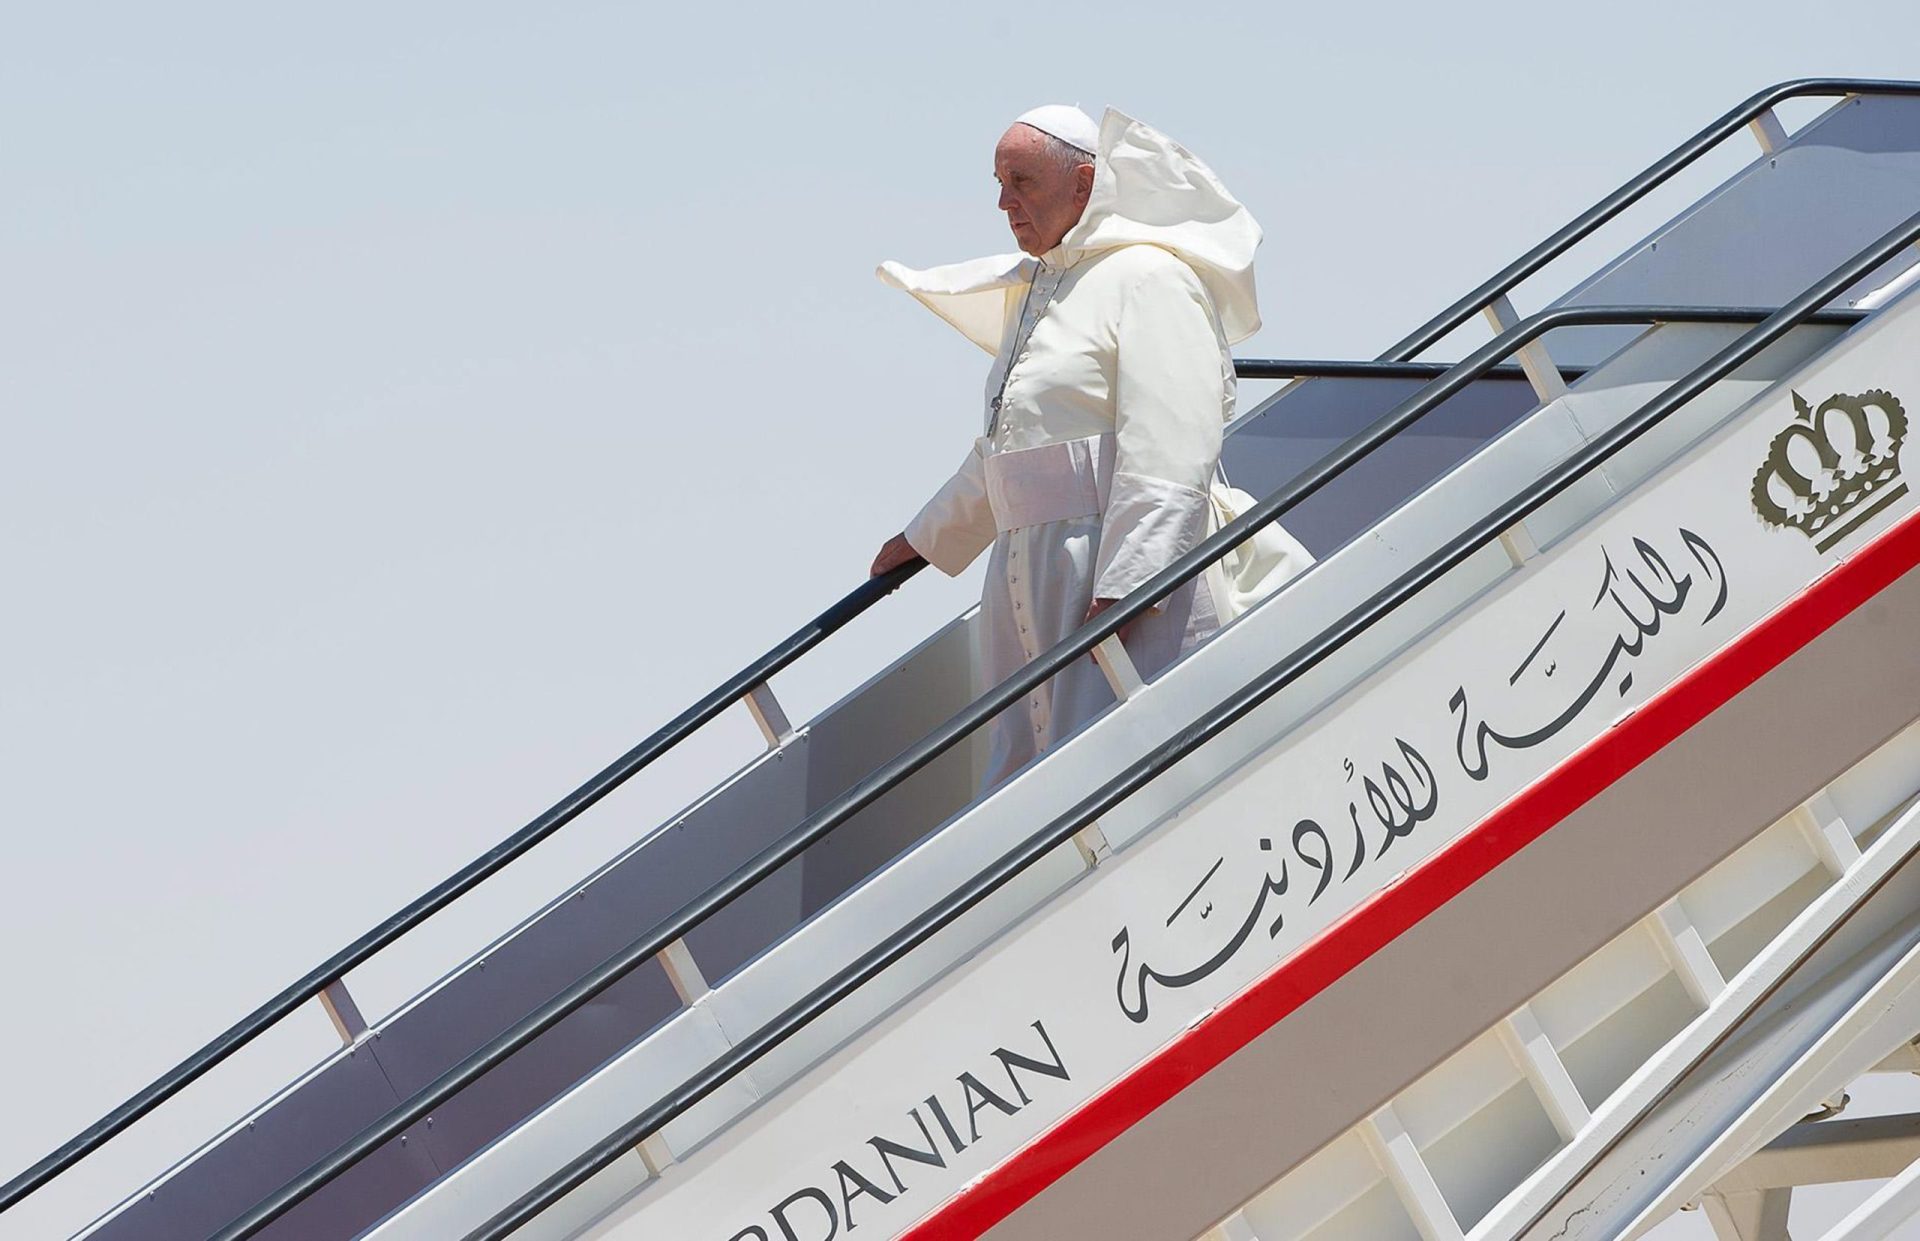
1083 183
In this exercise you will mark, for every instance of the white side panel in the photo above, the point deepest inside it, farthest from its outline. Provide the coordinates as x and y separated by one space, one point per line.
1271 853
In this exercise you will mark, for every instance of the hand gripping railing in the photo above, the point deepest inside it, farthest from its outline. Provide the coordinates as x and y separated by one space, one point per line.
1802 310
1756 113
937 742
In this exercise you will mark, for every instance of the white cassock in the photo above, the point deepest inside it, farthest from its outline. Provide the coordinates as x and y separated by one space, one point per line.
1110 388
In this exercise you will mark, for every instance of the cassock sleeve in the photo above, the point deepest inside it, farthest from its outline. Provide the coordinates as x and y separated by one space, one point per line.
957 524
1171 389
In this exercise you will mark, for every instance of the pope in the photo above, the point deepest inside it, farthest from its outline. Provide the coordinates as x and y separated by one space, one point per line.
1104 408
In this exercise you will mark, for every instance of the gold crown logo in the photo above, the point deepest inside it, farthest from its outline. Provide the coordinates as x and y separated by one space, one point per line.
1834 466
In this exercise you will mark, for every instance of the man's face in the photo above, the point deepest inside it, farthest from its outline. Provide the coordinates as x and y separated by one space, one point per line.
1042 199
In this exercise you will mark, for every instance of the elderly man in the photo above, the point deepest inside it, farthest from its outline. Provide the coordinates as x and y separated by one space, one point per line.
1110 386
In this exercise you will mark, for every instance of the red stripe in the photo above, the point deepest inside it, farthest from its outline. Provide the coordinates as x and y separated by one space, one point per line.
1375 922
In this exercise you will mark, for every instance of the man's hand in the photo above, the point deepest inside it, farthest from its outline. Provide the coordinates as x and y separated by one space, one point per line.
1099 606
895 552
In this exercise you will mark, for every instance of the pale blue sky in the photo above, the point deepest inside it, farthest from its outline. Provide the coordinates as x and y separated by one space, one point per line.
408 407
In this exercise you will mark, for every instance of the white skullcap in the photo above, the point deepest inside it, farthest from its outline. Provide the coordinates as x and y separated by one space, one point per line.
1065 122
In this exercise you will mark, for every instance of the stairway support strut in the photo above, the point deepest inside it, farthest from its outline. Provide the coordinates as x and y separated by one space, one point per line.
768 714
342 1011
1536 1056
1768 131
1532 356
1117 666
655 1154
1686 951
683 971
1826 830
1233 1228
1755 1215
1394 1150
1518 542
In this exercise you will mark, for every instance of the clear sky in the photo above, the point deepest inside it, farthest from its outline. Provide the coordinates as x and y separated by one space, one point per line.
408 407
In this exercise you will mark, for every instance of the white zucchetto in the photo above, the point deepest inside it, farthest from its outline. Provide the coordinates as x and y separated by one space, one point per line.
1065 122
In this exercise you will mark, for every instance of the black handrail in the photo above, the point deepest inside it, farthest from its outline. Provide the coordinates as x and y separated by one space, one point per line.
1288 368
1802 310
1652 177
459 883
876 783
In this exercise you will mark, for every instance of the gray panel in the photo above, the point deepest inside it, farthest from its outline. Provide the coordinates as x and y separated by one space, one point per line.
706 844
1277 441
540 1072
257 1159
864 732
1771 231
519 976
848 741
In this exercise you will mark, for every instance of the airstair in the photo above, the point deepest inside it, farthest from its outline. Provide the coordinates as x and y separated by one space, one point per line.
1538 864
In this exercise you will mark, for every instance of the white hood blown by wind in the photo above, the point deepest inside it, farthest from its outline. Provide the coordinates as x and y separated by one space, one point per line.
1147 190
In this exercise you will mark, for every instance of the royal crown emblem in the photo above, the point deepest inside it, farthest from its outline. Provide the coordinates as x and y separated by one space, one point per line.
1834 466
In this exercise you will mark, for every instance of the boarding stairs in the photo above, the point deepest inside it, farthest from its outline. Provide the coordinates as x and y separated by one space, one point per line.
1536 865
